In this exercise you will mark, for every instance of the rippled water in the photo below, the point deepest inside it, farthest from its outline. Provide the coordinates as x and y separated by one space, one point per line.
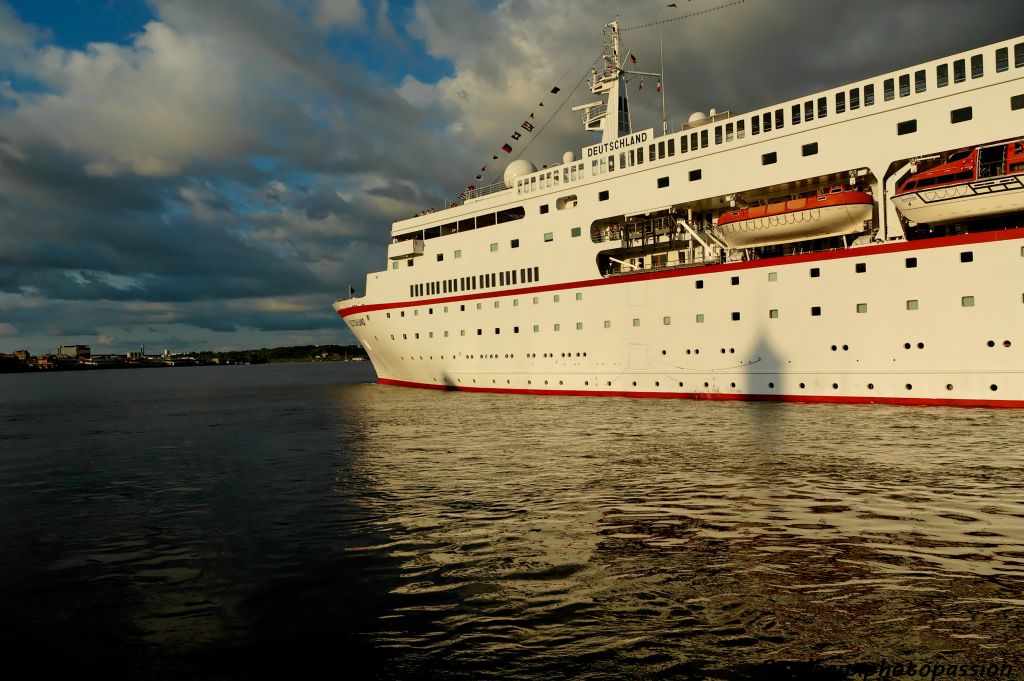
259 522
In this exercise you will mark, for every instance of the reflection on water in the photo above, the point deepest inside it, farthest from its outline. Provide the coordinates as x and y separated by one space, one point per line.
263 521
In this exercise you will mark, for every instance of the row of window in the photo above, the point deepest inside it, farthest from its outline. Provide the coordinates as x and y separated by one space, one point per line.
526 275
551 178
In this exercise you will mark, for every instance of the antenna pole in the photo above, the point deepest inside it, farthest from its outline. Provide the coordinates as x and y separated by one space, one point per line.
661 52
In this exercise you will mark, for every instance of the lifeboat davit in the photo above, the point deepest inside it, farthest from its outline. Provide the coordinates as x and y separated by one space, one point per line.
840 211
984 181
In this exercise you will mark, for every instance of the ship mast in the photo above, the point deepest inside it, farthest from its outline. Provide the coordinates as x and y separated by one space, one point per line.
610 117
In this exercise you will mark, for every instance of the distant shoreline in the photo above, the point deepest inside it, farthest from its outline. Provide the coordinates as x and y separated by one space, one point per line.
83 360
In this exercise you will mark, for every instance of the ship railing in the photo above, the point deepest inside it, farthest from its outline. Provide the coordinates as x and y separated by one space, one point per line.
476 193
594 112
720 116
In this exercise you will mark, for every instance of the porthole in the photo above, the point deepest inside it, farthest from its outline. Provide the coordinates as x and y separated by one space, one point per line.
634 384
609 382
920 346
560 383
871 386
993 387
846 348
545 382
529 383
949 386
723 351
697 351
732 351
732 385
664 352
680 384
991 344
687 350
1007 343
586 382
835 386
705 384
906 346
909 386
801 386
657 384
771 385
834 348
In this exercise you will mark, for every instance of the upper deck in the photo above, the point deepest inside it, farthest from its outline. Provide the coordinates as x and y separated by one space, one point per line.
824 111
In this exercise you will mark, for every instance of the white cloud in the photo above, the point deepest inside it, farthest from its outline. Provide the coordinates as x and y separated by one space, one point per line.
339 14
8 329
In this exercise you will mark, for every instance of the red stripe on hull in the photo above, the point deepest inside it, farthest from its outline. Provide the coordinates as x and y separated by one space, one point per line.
838 399
898 247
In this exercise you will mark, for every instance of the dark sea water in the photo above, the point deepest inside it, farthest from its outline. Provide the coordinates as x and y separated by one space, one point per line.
300 521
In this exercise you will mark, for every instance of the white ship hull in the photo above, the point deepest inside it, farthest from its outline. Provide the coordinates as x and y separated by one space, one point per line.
518 290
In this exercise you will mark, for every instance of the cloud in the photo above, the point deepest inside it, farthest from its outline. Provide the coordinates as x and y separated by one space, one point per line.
8 329
339 14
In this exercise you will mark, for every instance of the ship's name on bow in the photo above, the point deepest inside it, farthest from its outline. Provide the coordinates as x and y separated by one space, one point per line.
621 143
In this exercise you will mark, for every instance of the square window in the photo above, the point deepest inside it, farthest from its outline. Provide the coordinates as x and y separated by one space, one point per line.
607 324
666 321
735 316
815 311
662 182
445 334
497 332
967 301
394 265
544 209
440 257
636 321
536 300
558 327
536 328
911 263
549 236
961 115
967 256
579 295
497 303
735 281
815 272
773 276
694 175
700 282
479 306
515 302
479 332
494 247
700 318
514 243
1016 102
462 332
579 326
458 254
862 308
809 149
860 268
769 158
911 304
602 195
906 127
557 297
773 314
515 329
576 231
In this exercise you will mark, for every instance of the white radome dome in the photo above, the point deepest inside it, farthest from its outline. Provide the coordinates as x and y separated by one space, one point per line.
517 168
696 116
568 157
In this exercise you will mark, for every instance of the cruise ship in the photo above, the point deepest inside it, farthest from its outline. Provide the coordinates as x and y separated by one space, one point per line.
863 244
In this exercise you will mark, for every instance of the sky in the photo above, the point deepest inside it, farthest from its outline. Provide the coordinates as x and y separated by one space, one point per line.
213 174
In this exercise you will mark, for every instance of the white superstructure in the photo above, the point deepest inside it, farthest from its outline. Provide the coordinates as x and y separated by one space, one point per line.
608 275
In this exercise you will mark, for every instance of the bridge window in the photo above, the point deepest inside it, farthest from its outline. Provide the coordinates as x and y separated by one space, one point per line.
740 131
729 135
683 147
755 126
959 71
854 99
693 141
920 82
905 85
661 149
796 114
942 75
780 119
869 95
718 134
888 89
766 122
977 66
703 139
1002 59
1018 55
809 110
672 146
840 102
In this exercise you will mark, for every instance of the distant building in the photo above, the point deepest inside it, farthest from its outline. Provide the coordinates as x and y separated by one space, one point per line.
78 351
22 355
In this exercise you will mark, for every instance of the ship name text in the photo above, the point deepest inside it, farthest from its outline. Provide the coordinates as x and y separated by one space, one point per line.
621 143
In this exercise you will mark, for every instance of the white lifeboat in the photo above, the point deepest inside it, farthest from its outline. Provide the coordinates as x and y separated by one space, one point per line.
971 184
840 211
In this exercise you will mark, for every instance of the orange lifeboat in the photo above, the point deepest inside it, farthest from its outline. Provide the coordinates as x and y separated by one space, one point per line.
840 211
